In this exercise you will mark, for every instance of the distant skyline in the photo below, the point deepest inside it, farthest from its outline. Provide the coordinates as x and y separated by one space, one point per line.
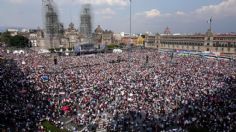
181 16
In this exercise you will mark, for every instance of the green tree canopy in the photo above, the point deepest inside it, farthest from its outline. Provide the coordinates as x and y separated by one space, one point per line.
15 41
112 46
19 41
5 37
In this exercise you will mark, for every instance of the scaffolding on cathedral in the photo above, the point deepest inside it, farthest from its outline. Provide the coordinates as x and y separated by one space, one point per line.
86 21
52 25
86 43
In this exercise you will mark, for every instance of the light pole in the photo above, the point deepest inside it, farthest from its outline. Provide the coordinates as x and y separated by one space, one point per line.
129 46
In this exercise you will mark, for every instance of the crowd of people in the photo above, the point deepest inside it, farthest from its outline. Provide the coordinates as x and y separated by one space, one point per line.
154 94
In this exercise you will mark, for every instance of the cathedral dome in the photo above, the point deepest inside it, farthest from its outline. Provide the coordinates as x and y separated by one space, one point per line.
98 29
71 25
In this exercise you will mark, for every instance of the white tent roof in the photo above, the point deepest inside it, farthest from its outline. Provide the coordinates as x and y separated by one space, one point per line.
117 51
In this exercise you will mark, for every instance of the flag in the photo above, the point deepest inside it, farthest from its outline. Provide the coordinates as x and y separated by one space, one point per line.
65 108
210 20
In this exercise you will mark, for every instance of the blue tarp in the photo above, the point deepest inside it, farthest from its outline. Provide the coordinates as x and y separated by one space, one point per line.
45 78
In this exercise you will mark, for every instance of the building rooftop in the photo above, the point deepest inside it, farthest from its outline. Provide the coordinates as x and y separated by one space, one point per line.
98 29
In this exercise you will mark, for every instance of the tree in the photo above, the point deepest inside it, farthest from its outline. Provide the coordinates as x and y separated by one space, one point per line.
5 37
112 46
19 41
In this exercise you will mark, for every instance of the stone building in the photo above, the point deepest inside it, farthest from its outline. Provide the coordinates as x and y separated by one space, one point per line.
127 40
167 31
13 32
117 38
150 40
221 43
103 37
33 38
140 40
98 35
107 37
71 36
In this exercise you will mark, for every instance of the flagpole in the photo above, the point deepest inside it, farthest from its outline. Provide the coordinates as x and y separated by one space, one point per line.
210 23
129 46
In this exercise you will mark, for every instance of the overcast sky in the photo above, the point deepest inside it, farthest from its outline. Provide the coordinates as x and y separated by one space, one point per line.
182 16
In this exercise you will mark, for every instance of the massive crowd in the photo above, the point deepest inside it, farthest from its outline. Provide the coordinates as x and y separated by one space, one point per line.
137 95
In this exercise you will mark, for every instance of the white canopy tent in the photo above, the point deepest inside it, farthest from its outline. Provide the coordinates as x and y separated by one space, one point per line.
18 52
43 51
117 51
